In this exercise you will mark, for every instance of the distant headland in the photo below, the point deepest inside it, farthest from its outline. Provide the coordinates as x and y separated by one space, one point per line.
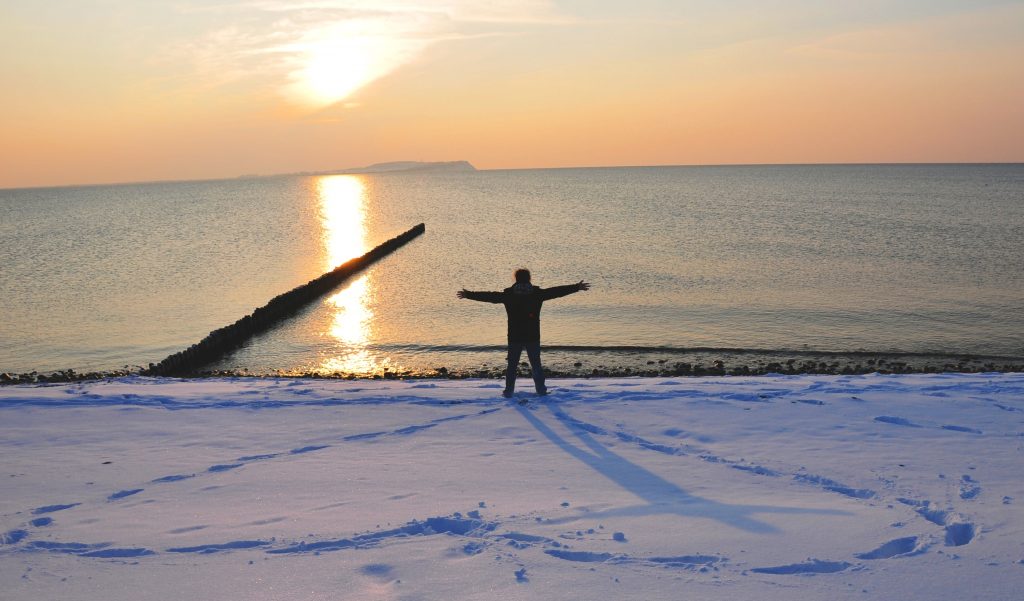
395 166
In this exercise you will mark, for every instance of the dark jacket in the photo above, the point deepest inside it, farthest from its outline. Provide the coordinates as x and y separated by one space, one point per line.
522 304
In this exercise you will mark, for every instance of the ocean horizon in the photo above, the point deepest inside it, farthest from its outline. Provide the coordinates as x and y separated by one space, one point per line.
365 170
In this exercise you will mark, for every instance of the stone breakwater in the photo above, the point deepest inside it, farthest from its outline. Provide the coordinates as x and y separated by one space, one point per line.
224 340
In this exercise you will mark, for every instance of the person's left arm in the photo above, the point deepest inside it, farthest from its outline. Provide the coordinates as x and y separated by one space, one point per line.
559 291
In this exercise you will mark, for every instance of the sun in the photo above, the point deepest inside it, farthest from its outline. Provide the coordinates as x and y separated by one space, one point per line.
335 69
335 62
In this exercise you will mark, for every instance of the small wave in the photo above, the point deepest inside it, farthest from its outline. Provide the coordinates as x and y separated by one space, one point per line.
694 350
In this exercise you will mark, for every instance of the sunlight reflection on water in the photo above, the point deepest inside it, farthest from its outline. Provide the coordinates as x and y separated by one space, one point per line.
343 216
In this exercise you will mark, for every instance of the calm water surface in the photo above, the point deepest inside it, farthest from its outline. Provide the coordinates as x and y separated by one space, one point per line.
835 258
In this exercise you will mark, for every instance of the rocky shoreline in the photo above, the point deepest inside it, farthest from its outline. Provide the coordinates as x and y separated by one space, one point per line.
722 365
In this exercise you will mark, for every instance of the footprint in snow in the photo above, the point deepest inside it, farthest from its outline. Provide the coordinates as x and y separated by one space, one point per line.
700 563
969 488
580 556
896 421
100 550
223 467
836 487
173 478
12 537
961 429
124 493
959 534
258 457
216 548
812 566
186 529
900 547
308 449
53 508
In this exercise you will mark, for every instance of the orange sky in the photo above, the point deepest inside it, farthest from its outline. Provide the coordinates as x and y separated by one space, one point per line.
116 90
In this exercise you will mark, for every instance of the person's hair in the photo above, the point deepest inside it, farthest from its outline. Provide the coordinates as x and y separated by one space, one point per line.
522 275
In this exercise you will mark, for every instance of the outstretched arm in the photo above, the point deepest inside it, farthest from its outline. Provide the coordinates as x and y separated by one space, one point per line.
557 291
485 297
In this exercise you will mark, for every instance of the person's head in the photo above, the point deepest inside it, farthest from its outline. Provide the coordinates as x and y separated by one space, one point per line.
522 276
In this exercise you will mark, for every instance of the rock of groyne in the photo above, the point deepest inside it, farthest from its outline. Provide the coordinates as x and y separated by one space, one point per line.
224 340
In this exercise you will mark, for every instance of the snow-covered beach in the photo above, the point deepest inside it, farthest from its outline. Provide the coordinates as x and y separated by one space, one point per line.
776 487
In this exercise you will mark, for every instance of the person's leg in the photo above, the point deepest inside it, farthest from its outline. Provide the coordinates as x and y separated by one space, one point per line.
533 353
515 351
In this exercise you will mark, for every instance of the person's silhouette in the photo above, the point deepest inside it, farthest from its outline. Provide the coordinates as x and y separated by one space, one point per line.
522 303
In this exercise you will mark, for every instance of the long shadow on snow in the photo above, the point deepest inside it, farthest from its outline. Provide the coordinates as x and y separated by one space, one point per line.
662 496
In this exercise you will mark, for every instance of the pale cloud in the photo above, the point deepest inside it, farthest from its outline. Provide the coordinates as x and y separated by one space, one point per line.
320 52
930 36
869 45
498 11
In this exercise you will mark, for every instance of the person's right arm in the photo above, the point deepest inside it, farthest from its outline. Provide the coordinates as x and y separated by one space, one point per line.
485 297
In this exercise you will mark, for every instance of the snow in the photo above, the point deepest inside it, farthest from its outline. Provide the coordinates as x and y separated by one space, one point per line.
775 487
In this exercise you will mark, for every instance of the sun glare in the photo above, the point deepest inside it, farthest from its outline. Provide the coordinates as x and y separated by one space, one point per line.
335 69
335 62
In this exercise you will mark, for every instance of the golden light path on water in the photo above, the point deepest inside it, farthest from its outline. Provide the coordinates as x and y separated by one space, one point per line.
343 217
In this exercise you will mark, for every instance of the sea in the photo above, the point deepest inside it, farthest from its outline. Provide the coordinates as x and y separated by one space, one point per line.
684 262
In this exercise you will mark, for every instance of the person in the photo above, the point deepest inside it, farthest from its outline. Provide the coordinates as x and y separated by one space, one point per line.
522 303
